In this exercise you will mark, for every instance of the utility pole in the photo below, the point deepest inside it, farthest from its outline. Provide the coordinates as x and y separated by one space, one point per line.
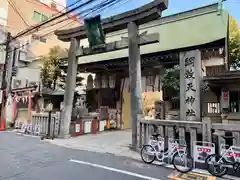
3 78
10 65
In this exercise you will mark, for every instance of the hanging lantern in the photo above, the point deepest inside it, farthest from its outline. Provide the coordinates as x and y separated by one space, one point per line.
16 98
112 81
104 82
97 81
24 99
90 82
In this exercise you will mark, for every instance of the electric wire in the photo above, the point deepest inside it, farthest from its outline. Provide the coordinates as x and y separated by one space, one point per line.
36 27
16 9
85 13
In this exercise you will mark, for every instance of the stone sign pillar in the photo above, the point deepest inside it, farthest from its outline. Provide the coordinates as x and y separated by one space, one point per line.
190 79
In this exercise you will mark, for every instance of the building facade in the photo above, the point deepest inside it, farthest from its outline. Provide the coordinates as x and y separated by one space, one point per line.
17 16
22 14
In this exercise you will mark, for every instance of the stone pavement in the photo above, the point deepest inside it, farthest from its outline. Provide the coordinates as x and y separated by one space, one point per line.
113 142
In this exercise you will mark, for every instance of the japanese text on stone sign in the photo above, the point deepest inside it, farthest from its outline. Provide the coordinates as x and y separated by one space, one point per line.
190 86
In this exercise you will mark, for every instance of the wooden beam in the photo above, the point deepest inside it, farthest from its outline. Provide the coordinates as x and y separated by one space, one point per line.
118 45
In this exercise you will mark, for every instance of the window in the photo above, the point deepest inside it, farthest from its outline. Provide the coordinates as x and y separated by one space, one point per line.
35 37
44 18
213 107
39 38
42 39
234 101
39 16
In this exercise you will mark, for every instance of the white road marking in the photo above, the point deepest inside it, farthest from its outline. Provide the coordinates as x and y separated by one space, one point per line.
114 170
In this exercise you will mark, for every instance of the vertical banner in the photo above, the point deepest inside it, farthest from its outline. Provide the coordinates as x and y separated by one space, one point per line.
95 34
225 98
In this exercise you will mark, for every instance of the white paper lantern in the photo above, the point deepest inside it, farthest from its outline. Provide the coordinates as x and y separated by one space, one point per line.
112 81
104 82
97 81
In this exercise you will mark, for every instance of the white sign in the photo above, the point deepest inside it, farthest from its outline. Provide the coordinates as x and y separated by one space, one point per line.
202 152
37 130
23 128
230 154
77 128
29 128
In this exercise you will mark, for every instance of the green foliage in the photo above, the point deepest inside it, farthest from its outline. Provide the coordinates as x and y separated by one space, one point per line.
52 74
171 79
234 43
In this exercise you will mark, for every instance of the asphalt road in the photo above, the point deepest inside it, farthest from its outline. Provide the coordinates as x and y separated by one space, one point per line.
29 158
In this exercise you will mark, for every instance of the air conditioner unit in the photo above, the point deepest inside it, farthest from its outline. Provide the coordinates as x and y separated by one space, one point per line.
33 83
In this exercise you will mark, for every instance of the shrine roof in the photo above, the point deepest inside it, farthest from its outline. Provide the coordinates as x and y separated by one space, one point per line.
230 77
197 27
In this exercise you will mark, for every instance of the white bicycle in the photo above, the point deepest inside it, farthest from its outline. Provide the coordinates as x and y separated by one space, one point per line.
178 155
218 165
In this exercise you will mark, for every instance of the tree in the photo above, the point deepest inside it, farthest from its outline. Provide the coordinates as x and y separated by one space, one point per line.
63 79
53 74
171 78
171 81
234 43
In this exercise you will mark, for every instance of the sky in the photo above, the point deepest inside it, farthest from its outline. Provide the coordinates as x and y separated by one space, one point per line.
175 6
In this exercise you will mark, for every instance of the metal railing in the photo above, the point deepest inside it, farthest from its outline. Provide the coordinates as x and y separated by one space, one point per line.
186 130
41 119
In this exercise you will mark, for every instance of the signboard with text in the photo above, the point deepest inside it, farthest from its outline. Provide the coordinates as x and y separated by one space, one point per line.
202 150
230 154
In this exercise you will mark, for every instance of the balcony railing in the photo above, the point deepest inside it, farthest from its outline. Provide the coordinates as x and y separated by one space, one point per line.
214 70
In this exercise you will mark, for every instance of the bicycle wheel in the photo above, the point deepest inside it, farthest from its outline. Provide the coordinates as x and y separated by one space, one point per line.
149 152
214 167
182 162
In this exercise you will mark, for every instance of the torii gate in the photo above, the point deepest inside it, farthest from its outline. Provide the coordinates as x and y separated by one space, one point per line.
129 20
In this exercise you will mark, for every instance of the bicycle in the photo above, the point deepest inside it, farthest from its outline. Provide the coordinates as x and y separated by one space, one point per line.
155 150
227 159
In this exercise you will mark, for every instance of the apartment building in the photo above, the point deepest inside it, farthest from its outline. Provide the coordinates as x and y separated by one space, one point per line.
18 15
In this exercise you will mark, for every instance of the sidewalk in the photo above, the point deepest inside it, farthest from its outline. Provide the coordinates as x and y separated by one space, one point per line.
114 142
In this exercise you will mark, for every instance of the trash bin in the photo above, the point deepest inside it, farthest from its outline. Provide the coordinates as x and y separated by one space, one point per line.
77 128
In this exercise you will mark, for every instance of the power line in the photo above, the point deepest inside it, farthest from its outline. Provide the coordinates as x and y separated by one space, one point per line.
96 8
18 12
35 27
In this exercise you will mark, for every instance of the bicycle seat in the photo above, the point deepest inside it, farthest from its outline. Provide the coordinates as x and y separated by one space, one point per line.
228 137
155 135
